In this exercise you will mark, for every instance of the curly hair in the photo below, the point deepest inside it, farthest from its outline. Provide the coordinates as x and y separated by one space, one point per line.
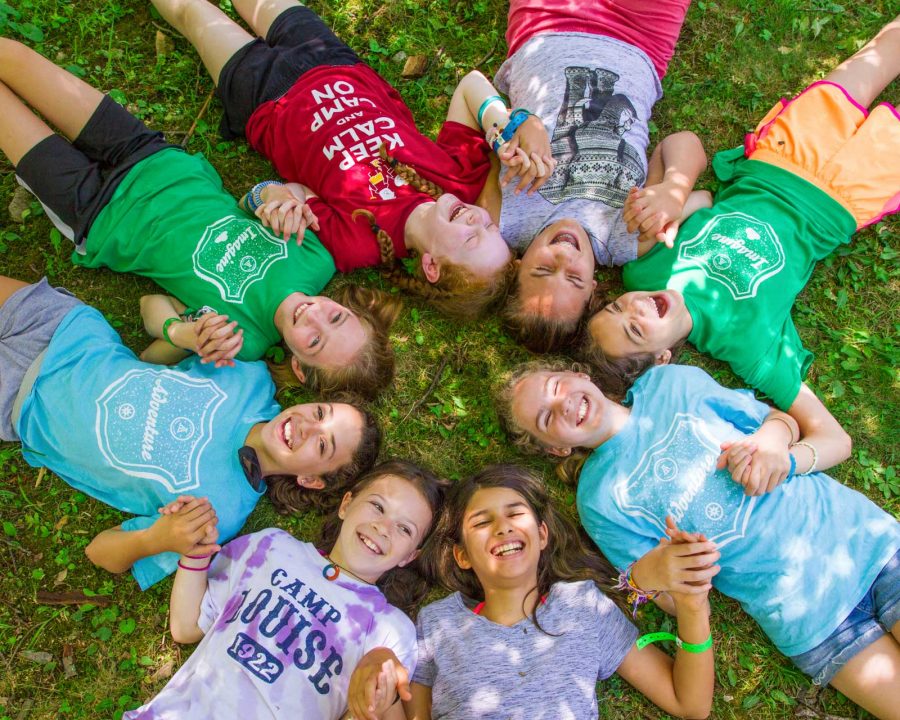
404 587
288 497
372 368
567 558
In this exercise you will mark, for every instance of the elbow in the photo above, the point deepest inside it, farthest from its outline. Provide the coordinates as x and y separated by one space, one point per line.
699 713
184 633
95 554
844 444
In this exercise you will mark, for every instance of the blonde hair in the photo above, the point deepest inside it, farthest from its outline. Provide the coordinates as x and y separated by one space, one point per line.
372 369
457 292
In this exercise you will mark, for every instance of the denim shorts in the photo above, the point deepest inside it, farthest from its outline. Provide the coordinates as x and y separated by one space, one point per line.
874 616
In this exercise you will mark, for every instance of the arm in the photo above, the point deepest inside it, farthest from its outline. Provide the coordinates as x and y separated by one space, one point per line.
282 207
657 209
155 310
419 708
378 683
818 427
187 594
761 462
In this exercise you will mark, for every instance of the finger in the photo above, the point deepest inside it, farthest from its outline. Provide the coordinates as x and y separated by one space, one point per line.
542 173
403 684
311 219
668 234
700 575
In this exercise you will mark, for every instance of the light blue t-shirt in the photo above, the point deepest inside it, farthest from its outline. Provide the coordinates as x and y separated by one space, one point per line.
136 436
798 559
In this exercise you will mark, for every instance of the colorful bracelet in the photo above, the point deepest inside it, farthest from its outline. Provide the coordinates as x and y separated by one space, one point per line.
194 569
484 106
254 195
644 640
516 118
815 456
165 329
636 596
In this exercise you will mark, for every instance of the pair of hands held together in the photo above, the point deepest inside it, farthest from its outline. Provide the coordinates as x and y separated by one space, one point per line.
186 526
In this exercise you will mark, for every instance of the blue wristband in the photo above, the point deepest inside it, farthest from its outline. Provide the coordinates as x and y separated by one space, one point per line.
793 466
254 197
518 116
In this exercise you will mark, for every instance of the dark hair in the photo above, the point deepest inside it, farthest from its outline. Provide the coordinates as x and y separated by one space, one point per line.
566 558
372 369
539 333
404 587
288 497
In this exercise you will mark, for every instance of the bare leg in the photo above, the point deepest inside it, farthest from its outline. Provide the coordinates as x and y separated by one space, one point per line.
869 71
8 286
872 679
214 35
260 14
63 99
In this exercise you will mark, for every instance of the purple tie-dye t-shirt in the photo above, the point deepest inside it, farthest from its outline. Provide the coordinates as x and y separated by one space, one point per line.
281 640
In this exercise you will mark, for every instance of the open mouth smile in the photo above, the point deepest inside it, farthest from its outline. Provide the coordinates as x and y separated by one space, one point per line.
369 544
583 408
568 238
507 549
287 433
661 304
300 310
457 211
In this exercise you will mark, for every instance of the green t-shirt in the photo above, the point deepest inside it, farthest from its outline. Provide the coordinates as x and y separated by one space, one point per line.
171 220
741 264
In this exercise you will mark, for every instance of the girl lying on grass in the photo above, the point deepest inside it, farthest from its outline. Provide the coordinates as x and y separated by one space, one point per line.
282 625
817 168
379 188
134 203
528 607
815 563
137 436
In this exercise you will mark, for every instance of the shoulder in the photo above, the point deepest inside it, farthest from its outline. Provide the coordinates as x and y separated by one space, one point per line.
448 608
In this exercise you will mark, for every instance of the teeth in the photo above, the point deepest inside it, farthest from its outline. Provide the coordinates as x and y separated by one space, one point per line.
582 409
288 431
299 311
508 548
456 212
567 238
369 544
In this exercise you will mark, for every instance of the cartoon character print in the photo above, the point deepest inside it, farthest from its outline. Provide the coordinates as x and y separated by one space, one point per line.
736 250
595 162
381 179
677 476
155 424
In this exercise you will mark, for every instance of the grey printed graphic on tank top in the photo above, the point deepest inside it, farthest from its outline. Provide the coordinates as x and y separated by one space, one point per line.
594 95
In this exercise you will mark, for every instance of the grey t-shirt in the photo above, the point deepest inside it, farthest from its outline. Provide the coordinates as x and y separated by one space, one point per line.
594 95
479 669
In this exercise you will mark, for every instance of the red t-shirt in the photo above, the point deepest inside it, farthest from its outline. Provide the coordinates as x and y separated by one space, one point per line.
325 133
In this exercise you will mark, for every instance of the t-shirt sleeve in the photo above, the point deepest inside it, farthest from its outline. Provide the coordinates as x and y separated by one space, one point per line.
224 572
396 632
150 570
617 633
350 242
471 155
426 670
780 372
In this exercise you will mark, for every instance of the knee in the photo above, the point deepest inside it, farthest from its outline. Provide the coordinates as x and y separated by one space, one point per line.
13 54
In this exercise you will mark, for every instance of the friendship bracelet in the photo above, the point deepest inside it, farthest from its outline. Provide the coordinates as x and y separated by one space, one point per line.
793 469
165 329
815 455
785 423
516 118
254 196
484 106
194 569
198 557
644 640
636 596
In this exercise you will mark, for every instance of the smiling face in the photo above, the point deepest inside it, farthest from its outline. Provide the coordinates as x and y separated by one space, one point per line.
310 441
456 233
384 525
319 332
642 322
502 539
556 274
561 410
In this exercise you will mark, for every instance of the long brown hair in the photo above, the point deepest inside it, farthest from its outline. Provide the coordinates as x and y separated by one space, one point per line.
372 368
457 292
289 498
539 333
404 587
566 558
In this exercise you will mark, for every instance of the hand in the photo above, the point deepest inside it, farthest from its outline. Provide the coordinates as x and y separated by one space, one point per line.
655 211
174 506
528 156
681 563
284 209
182 531
216 340
696 601
374 684
759 462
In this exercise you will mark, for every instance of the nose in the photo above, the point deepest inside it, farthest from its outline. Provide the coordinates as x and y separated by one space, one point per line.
381 525
502 526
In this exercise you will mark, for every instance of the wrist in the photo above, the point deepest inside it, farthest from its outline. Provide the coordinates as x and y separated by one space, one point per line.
195 563
181 335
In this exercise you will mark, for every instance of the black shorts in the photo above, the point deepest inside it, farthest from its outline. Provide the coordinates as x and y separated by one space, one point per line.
264 70
74 181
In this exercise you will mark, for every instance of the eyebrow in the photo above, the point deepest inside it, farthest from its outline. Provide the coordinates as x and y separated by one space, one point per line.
401 518
486 511
333 445
537 418
324 341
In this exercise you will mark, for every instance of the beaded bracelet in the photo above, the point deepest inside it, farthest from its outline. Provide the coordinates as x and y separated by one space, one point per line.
636 596
644 640
815 456
254 195
484 106
165 329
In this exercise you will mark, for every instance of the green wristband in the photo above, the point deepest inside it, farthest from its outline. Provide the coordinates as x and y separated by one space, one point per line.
165 329
645 640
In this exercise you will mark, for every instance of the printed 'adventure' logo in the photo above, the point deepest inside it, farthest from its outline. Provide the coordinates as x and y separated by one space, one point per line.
737 250
677 476
234 253
155 424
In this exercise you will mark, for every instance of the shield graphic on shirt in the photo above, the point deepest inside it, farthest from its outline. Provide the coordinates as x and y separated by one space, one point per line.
234 253
155 424
737 250
677 477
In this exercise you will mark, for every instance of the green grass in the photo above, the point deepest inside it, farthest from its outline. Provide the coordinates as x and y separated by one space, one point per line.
733 61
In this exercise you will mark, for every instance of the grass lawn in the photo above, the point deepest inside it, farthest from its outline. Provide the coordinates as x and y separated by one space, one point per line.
734 60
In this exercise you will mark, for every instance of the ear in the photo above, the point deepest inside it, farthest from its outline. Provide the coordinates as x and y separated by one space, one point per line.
409 558
431 268
311 482
543 534
664 358
593 285
518 261
461 557
345 501
298 369
560 452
